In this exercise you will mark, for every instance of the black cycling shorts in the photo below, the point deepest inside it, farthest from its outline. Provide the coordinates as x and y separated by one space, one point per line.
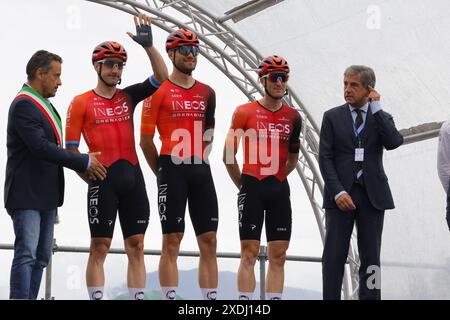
181 183
123 190
269 196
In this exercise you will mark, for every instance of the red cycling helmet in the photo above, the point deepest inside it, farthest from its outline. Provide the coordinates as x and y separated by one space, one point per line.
181 37
109 49
272 64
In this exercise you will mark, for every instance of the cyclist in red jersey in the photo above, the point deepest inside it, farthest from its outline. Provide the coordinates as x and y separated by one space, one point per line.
105 118
270 132
183 111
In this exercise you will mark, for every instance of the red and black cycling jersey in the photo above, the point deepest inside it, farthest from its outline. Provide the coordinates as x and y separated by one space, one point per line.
107 124
181 116
268 137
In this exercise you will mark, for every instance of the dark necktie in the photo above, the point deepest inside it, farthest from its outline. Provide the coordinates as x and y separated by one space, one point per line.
359 119
358 124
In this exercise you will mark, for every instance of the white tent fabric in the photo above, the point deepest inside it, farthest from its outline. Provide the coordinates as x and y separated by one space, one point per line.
406 43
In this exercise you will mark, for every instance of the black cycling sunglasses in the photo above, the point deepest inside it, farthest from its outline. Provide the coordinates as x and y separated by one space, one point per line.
275 76
186 50
112 64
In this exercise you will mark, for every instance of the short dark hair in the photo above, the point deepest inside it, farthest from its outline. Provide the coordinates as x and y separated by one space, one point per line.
366 74
41 59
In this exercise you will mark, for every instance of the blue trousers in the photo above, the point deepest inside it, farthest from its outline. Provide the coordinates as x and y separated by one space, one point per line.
339 227
32 250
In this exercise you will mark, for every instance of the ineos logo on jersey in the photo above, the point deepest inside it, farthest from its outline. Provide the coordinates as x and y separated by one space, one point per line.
116 111
188 105
146 110
271 127
93 205
171 295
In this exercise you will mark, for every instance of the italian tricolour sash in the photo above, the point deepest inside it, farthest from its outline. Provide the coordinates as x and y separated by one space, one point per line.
44 106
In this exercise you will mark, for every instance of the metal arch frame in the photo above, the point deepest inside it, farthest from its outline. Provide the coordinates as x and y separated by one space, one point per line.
238 60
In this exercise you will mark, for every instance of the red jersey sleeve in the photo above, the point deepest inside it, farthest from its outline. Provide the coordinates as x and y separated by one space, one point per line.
238 124
209 117
74 122
294 141
239 119
150 111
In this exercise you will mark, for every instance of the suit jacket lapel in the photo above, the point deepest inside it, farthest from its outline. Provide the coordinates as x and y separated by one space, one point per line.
348 122
367 126
56 112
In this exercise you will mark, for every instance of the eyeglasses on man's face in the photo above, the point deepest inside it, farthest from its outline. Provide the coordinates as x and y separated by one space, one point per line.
186 50
113 64
277 76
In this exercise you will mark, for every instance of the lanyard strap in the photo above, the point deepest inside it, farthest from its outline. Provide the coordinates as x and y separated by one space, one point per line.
358 133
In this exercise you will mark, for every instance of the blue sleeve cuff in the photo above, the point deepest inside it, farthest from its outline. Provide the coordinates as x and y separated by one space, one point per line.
72 143
375 106
153 81
339 194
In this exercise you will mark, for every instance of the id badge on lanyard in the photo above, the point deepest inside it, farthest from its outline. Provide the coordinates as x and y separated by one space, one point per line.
359 152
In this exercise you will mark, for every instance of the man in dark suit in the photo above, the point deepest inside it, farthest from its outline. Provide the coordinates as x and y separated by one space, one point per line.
352 140
34 184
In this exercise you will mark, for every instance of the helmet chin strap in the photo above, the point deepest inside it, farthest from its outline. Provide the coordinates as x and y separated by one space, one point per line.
99 73
189 73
